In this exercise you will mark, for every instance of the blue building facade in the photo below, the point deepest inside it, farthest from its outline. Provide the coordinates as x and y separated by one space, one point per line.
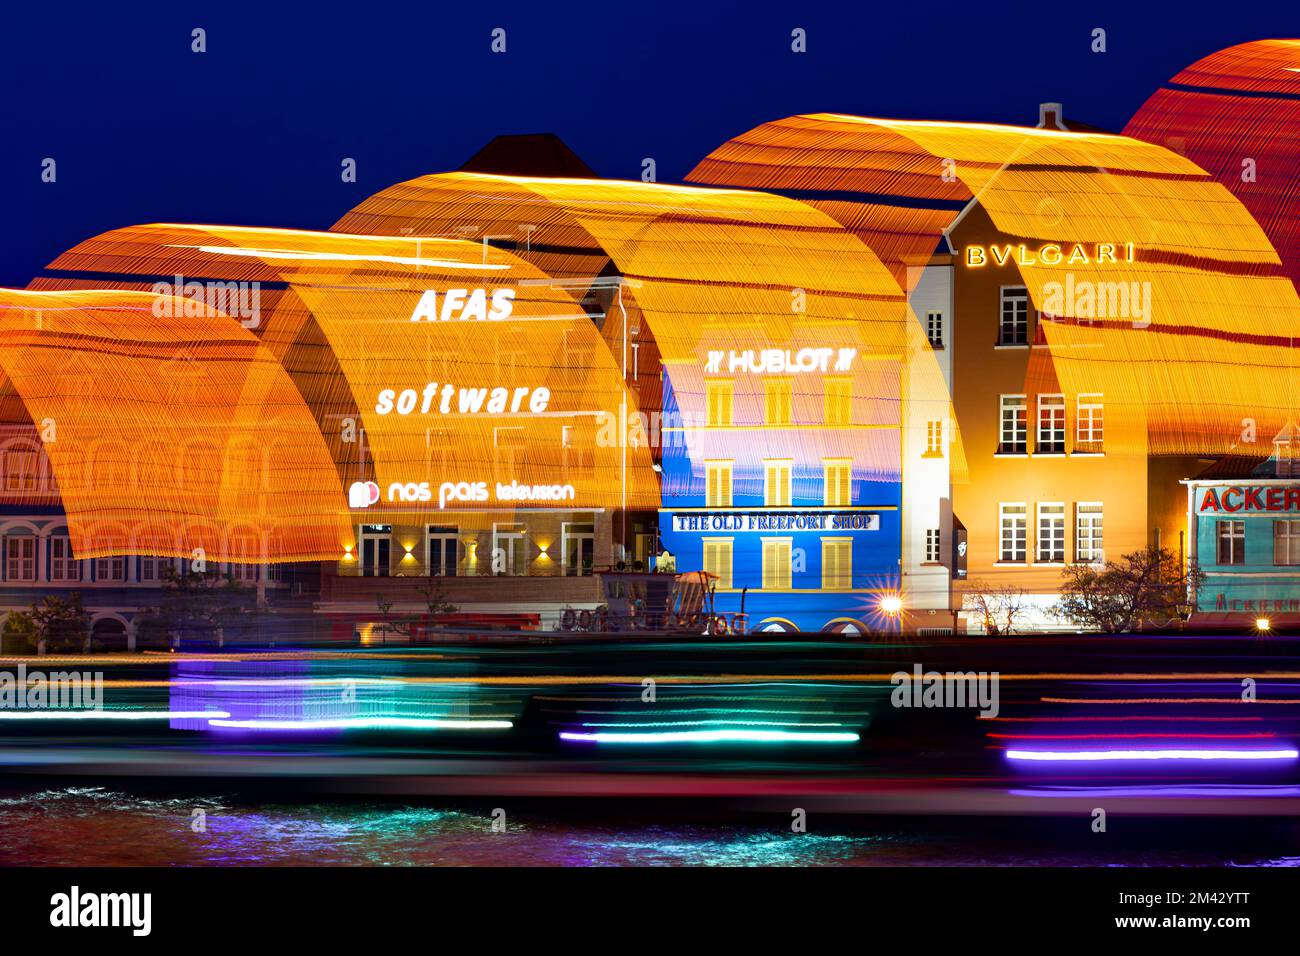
1244 524
788 486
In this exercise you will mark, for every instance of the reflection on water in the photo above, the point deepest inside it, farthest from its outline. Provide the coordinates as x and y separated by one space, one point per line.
97 827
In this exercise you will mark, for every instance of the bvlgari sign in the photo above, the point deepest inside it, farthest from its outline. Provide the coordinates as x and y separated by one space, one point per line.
847 521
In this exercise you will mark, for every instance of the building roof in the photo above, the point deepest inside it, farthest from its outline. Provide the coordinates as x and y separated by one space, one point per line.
528 154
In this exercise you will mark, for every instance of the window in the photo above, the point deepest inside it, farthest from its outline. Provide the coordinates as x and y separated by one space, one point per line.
63 566
1014 326
776 483
1087 533
1089 424
1286 542
1014 425
778 401
720 397
112 568
717 560
150 568
1051 533
246 573
20 555
934 439
19 466
839 482
934 329
776 563
1012 519
839 401
1232 542
837 564
717 481
933 551
443 550
1051 425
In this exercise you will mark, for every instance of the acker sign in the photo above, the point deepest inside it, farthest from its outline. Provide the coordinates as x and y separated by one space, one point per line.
1247 498
778 521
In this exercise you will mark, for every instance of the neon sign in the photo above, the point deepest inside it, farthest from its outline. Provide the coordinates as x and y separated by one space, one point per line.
781 360
778 521
469 401
464 305
1050 254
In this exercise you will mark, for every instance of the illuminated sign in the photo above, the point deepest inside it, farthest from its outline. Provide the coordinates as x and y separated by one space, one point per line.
778 521
1050 254
363 494
780 361
1239 498
469 401
464 305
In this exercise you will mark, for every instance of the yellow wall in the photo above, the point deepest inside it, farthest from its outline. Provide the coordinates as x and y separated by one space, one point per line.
982 373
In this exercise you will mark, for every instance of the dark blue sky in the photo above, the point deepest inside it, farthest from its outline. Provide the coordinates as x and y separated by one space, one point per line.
253 131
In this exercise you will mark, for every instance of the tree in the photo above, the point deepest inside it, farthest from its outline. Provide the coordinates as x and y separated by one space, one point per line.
998 607
1149 588
60 624
205 606
435 604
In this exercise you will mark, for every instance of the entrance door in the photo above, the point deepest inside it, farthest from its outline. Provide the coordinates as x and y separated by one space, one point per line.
579 548
443 551
509 549
375 544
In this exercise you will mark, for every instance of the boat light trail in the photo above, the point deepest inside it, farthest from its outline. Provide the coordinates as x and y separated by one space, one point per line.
1178 754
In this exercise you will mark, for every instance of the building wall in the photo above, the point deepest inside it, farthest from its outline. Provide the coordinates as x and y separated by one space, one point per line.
927 475
1258 586
1116 476
868 523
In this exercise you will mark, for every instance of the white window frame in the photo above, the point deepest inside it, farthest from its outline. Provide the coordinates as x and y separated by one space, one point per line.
1013 425
63 568
1089 532
1055 553
1089 421
1015 299
1235 538
17 563
1290 536
1017 543
1050 434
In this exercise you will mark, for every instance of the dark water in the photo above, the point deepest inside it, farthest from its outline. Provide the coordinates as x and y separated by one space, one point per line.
98 827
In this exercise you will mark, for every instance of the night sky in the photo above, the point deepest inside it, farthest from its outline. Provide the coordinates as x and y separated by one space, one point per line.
253 131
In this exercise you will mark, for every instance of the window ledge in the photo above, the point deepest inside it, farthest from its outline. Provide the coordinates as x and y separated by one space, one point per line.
1010 454
1000 346
1010 564
1049 454
1088 454
1049 564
